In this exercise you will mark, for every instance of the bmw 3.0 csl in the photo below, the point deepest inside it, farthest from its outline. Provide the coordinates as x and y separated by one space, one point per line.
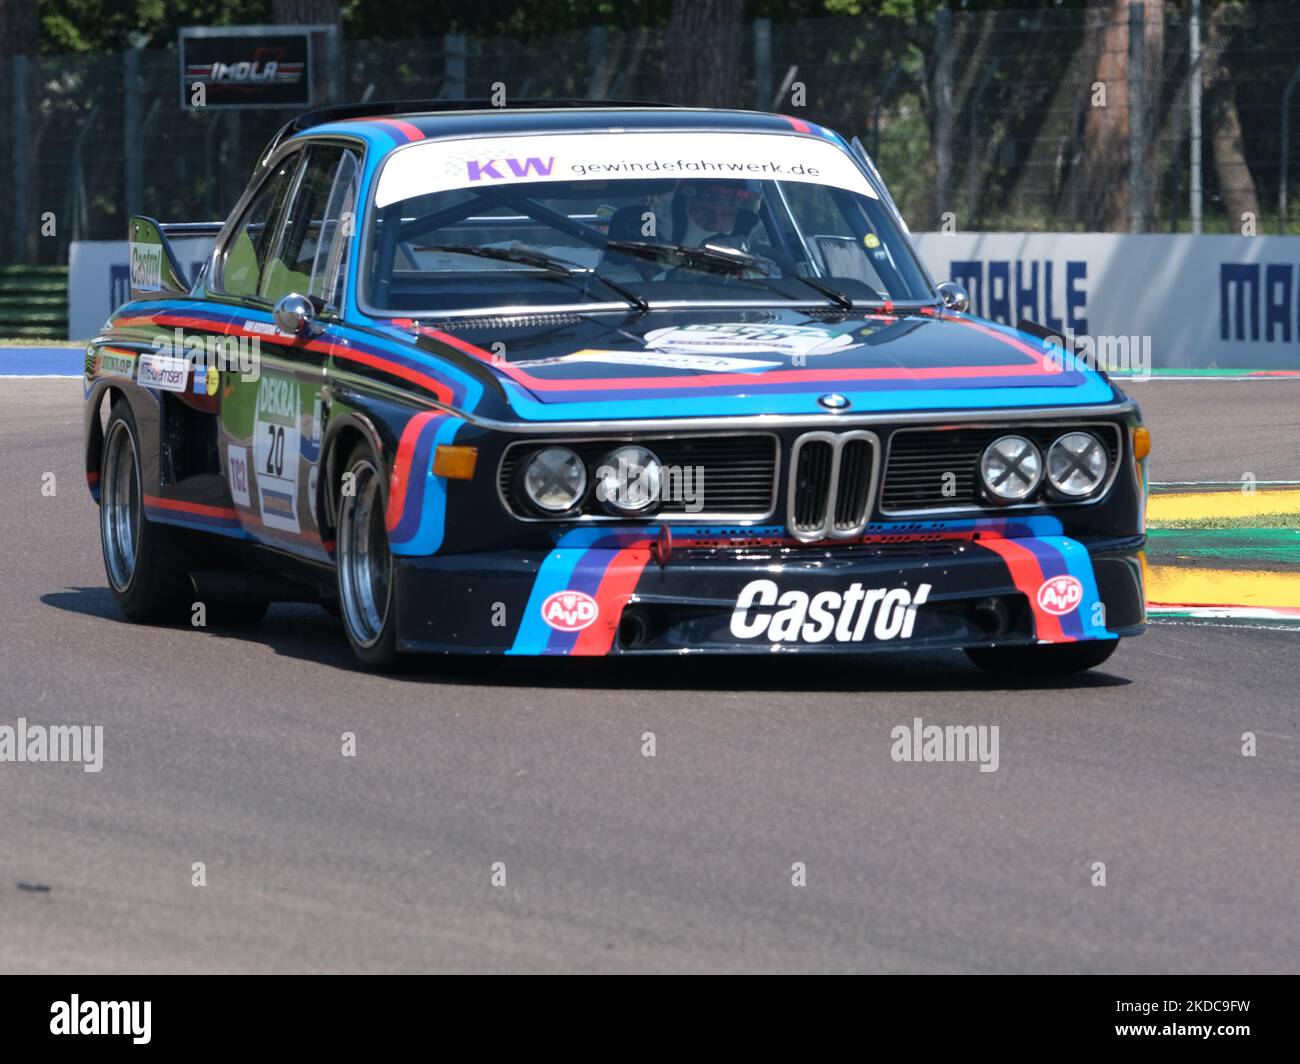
601 380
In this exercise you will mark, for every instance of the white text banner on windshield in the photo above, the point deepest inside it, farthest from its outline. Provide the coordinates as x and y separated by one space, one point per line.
440 166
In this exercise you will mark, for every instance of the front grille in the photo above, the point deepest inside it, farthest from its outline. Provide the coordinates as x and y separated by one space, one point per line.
832 483
732 476
938 469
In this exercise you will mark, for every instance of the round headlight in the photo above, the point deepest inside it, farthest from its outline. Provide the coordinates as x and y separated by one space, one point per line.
1076 464
628 480
555 479
1011 468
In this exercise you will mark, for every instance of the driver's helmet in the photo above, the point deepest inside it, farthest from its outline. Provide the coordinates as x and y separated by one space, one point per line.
707 208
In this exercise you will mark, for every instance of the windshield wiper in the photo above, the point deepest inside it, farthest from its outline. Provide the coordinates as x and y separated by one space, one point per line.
715 254
540 260
723 255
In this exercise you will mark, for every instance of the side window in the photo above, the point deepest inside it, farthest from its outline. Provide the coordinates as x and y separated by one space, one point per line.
316 228
249 250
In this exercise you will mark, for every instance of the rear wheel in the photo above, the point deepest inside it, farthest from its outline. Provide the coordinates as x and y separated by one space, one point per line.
367 598
1054 659
144 561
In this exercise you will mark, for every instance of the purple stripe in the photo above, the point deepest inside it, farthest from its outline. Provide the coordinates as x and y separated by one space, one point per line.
416 481
1053 564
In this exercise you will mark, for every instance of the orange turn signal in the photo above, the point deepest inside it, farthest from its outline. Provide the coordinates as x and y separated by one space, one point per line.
1141 442
455 462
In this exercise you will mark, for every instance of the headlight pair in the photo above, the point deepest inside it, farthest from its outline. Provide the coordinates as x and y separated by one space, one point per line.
627 479
1012 467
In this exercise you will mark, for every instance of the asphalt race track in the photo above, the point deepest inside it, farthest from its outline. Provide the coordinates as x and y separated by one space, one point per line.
224 747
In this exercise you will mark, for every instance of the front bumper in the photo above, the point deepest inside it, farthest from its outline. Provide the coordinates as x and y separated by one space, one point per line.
604 591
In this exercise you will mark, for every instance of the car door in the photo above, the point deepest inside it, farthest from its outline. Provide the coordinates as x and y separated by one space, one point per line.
272 421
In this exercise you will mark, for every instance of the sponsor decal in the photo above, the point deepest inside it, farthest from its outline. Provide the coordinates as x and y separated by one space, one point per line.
212 380
570 611
1060 595
116 364
263 327
276 446
497 169
237 474
516 160
726 337
161 371
763 610
146 267
660 360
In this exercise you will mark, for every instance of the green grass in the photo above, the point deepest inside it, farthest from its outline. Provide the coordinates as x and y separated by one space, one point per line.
1260 521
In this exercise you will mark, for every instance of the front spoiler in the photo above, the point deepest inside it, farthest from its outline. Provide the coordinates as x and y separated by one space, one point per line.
609 595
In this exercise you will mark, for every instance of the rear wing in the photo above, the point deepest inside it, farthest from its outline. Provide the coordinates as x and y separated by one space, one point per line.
155 271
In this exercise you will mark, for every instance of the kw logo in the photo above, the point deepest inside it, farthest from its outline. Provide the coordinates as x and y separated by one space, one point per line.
478 170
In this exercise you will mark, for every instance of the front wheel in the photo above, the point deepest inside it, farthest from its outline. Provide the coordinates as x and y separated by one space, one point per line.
1054 659
367 598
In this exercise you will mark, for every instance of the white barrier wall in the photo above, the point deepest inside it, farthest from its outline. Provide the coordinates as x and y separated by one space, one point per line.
99 279
1228 301
1203 300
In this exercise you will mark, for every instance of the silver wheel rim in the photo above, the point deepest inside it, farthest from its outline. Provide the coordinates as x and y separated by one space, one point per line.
119 506
365 565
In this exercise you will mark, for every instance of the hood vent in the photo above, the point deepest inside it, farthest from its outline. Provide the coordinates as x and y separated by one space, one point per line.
517 321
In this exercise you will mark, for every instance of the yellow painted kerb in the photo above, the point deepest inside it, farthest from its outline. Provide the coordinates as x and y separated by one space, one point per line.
1175 585
1198 505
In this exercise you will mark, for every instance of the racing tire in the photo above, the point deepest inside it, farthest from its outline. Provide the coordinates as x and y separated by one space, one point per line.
1055 659
144 561
364 565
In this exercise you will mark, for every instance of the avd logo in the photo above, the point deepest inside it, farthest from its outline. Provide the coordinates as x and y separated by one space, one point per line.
1060 594
570 611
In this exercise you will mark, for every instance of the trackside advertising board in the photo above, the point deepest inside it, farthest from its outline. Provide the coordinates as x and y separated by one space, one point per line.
99 278
1226 301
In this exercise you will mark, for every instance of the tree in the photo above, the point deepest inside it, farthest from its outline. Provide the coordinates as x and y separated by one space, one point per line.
704 47
1236 183
304 12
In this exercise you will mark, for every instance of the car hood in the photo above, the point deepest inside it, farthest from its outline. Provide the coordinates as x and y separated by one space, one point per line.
566 367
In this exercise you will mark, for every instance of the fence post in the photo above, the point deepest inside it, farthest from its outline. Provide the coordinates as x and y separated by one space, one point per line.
598 82
1137 213
1194 55
762 63
131 129
943 118
20 135
1283 177
453 70
973 165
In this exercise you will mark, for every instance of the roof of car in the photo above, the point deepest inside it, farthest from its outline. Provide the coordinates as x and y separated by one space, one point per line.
402 122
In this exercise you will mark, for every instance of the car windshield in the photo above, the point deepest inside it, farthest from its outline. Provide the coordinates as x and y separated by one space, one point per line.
641 219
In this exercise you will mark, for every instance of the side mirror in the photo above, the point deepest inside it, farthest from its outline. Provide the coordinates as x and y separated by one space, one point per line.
954 296
295 315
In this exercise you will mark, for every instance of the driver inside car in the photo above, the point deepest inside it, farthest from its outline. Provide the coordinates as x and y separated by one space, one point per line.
704 210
